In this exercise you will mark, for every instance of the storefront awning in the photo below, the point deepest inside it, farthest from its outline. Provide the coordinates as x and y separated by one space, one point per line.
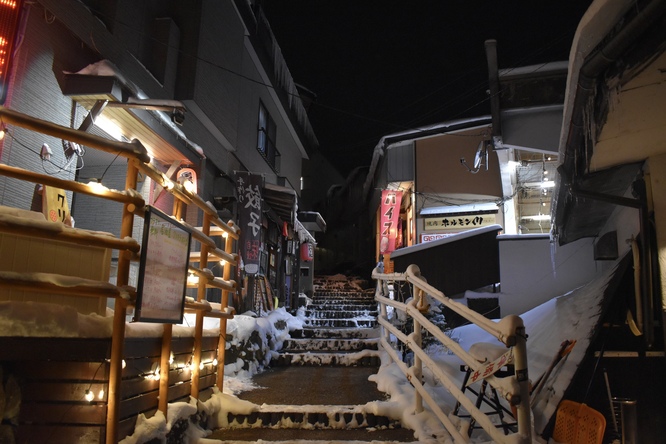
156 134
465 261
281 201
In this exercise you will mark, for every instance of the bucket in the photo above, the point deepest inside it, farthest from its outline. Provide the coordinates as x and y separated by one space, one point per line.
625 417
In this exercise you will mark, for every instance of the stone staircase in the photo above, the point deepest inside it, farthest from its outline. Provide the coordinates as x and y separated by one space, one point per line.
340 328
317 388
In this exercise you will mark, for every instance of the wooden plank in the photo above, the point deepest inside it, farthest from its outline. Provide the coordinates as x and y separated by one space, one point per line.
137 386
58 391
179 391
56 349
138 404
142 347
207 381
140 366
58 413
182 345
57 370
58 434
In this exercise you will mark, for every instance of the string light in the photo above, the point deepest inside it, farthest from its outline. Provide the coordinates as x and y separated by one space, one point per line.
89 396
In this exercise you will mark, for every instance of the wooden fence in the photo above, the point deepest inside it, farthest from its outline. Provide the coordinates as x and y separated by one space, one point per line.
127 389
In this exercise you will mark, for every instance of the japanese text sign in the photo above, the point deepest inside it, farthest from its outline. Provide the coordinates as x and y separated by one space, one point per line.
459 222
389 220
248 192
165 254
491 368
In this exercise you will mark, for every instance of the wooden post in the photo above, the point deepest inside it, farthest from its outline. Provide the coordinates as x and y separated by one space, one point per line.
119 315
163 401
198 326
222 342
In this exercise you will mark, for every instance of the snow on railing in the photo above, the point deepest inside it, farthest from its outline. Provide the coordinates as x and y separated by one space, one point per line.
510 331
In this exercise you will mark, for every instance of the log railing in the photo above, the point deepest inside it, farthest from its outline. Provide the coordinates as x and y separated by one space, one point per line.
128 248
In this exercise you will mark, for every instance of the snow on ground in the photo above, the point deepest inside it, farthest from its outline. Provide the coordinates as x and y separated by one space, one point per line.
572 316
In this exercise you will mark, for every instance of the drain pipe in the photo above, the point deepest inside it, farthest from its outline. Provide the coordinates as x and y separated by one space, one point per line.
494 88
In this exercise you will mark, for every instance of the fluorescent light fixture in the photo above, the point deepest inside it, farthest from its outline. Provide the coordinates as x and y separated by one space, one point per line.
109 127
537 217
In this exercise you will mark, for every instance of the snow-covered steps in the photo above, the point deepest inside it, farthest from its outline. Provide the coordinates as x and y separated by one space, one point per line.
330 333
309 417
305 344
341 323
361 358
332 313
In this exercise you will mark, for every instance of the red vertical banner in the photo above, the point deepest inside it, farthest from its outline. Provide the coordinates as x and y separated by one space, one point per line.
390 220
248 189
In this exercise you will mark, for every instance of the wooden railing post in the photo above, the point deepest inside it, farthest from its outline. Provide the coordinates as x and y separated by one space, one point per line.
198 326
119 315
222 342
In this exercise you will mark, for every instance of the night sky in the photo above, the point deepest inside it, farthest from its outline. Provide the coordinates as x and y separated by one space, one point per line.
380 67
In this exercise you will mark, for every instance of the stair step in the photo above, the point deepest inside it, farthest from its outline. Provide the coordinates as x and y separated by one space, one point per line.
340 314
344 323
365 358
310 417
345 294
329 333
295 345
342 305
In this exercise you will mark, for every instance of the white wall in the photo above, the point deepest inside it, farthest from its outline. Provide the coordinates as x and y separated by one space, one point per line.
534 270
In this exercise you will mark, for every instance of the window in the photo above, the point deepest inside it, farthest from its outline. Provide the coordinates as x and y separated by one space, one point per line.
266 138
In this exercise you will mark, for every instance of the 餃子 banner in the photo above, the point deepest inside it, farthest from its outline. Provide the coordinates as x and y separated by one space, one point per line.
248 189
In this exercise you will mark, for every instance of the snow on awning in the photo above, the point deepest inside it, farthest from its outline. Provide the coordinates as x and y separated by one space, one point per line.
102 81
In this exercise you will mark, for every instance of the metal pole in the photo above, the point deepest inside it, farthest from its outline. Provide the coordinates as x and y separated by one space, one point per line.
520 365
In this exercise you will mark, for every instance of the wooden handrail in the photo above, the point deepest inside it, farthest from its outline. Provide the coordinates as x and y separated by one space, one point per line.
64 284
131 150
78 187
61 232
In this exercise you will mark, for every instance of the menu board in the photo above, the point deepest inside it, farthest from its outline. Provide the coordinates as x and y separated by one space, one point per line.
165 254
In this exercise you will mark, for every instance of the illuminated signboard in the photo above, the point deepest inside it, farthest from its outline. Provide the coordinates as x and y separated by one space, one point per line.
459 222
10 12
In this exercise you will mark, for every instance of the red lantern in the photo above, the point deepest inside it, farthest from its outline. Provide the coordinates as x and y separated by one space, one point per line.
307 252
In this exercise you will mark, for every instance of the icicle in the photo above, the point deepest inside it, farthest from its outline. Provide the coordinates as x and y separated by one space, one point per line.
553 252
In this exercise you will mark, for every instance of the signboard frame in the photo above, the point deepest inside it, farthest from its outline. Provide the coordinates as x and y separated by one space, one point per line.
158 229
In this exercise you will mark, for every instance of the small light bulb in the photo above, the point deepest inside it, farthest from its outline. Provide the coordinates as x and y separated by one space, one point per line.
215 362
171 358
222 262
97 187
100 395
124 364
89 396
189 186
201 366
